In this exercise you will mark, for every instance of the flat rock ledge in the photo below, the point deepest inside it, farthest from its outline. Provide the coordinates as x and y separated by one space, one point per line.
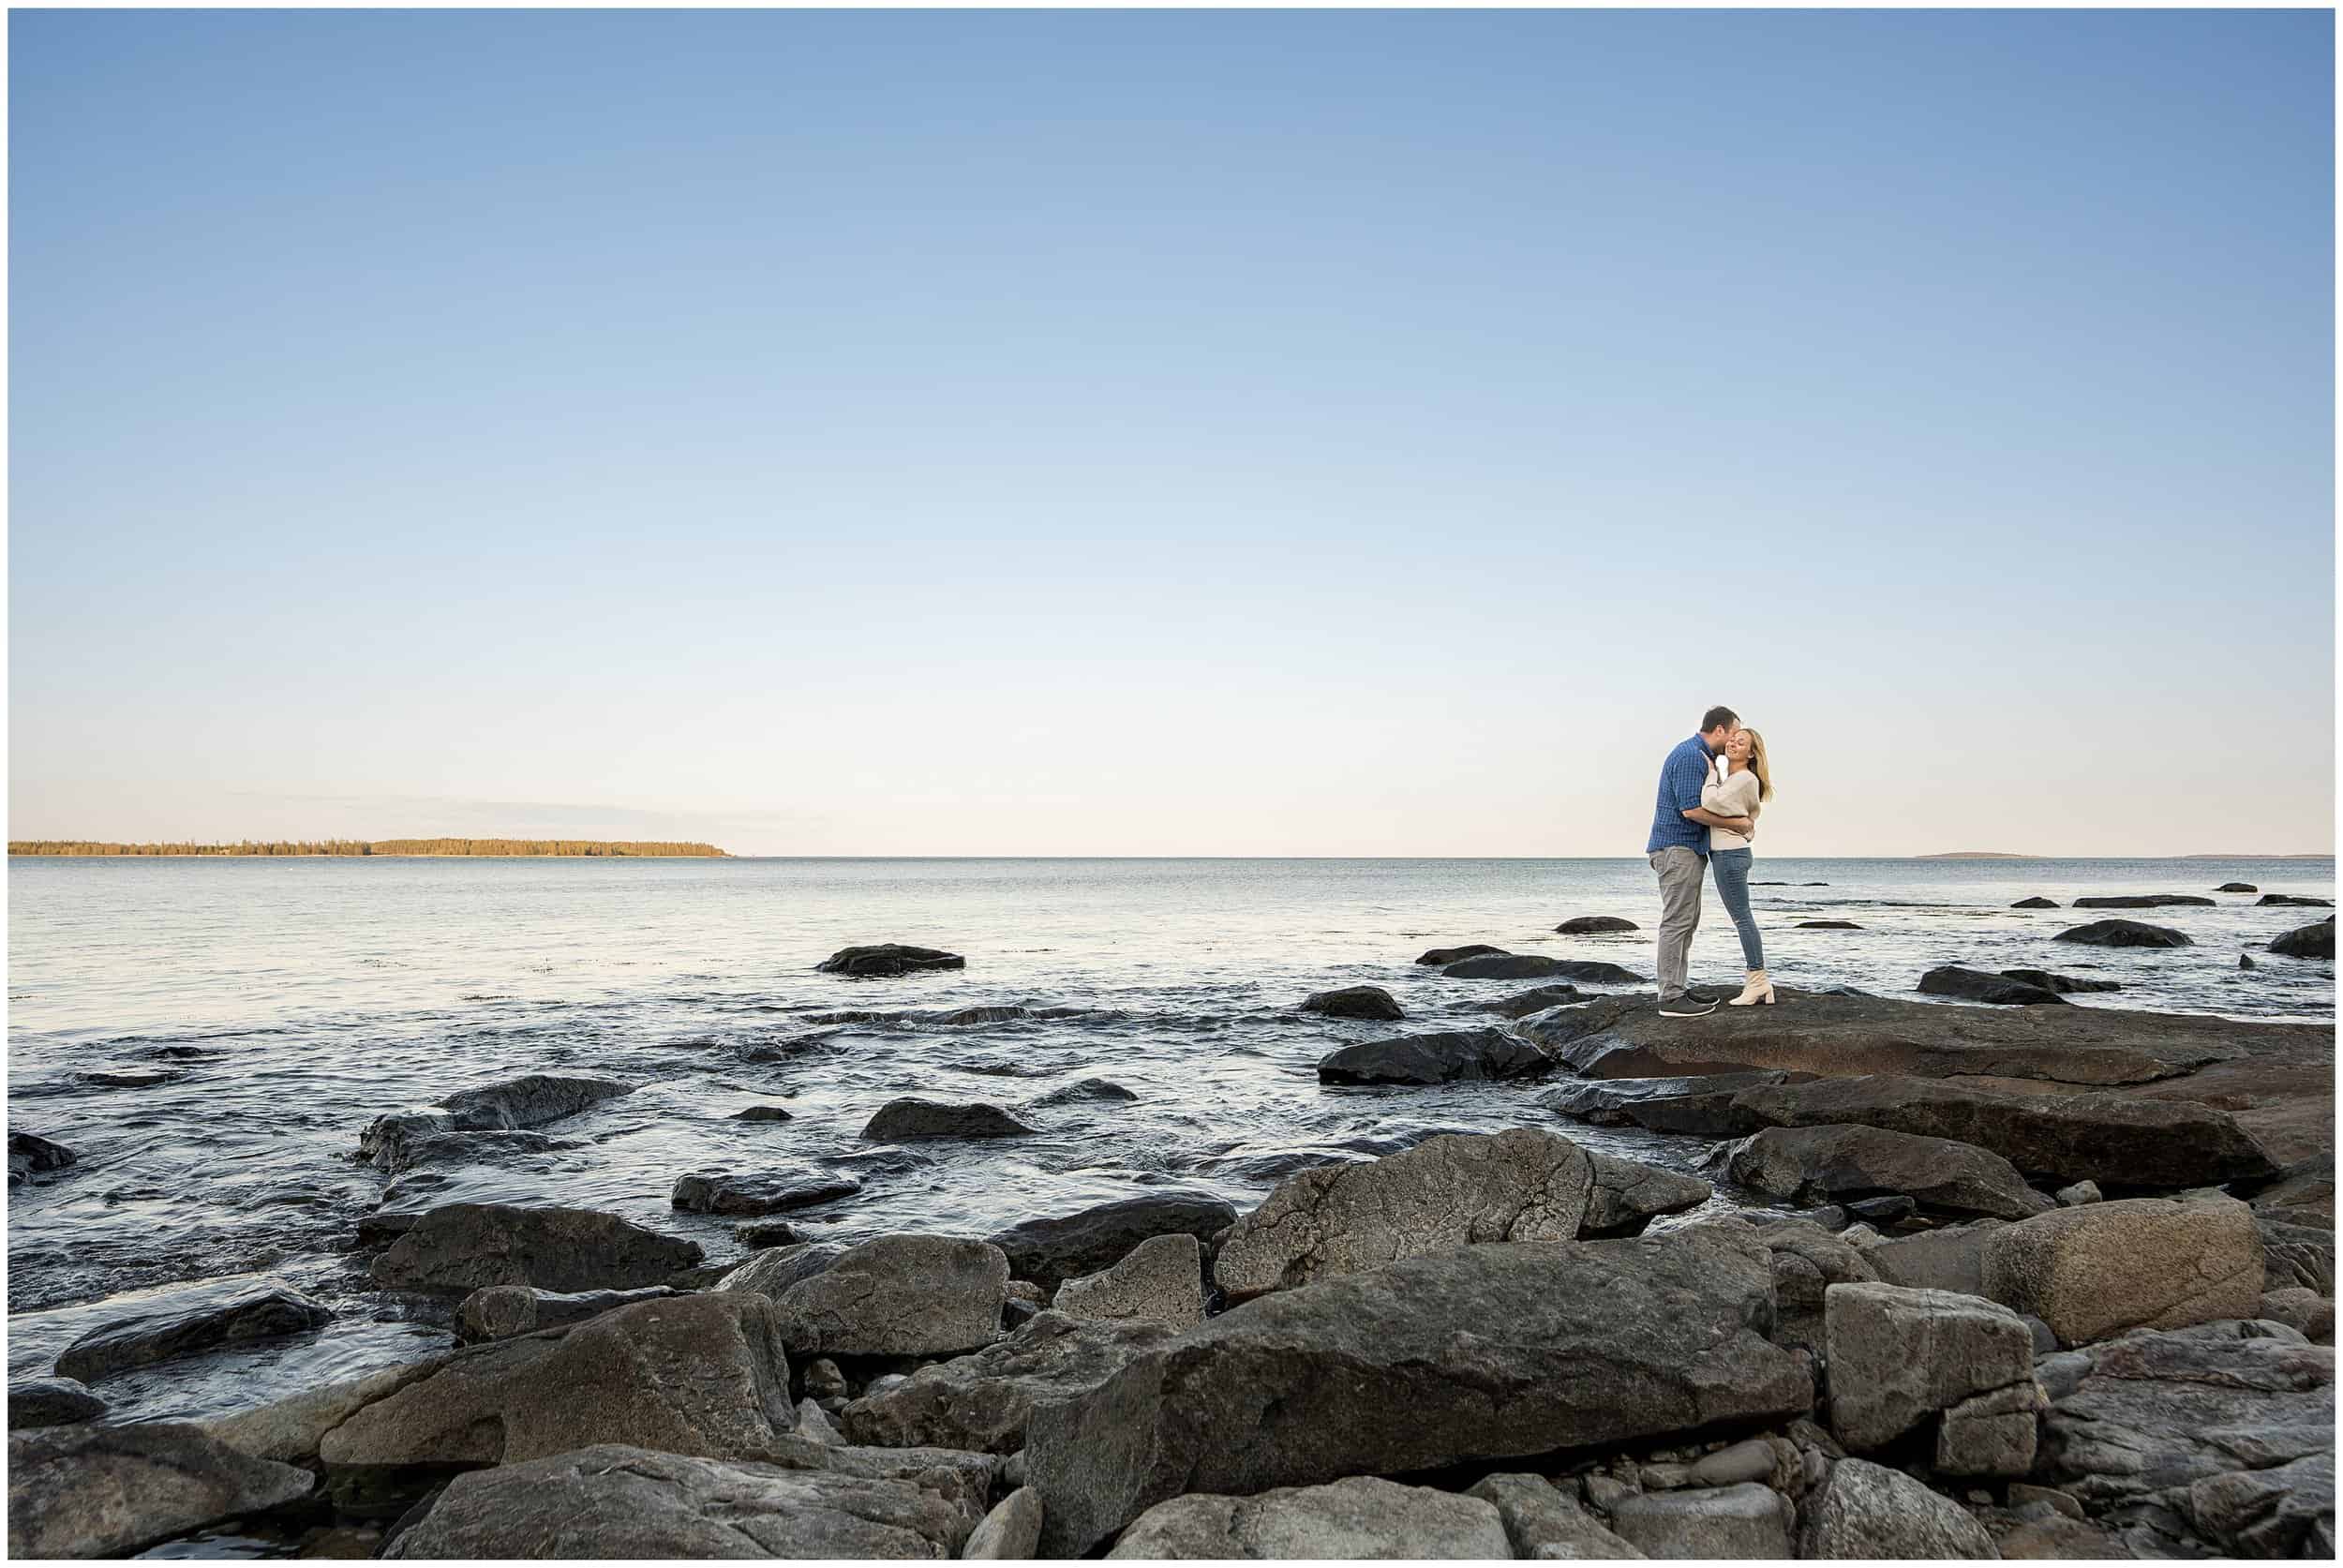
885 959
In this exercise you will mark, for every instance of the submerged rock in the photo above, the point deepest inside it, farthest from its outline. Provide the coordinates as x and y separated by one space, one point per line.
1370 1002
2066 985
1438 1058
1828 925
92 1490
2123 933
983 1402
761 1192
1081 1089
30 1154
620 1503
1052 1250
1362 1516
1702 1107
189 1321
910 1118
1372 1373
885 959
1809 1165
469 1246
2141 1263
899 1295
764 1114
2306 941
2141 900
1972 985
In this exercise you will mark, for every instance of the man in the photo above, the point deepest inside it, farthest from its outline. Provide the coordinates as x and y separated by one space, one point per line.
1679 853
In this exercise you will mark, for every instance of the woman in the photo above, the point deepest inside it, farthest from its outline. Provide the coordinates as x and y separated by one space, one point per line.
1737 784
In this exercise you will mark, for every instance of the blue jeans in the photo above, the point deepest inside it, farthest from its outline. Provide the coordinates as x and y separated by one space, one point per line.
1732 869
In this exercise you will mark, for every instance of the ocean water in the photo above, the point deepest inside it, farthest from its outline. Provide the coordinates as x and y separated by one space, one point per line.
281 1005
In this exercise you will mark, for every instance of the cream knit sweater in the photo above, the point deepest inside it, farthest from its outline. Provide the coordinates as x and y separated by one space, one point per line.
1729 794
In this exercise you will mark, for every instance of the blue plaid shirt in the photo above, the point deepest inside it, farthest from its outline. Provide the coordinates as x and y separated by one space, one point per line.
1680 778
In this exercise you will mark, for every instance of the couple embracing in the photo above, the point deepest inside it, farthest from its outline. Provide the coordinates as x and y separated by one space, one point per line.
1712 788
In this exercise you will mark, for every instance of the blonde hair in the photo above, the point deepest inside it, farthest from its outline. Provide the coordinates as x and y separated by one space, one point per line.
1758 763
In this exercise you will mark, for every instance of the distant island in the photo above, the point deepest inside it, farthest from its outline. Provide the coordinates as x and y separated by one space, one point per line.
1978 855
378 847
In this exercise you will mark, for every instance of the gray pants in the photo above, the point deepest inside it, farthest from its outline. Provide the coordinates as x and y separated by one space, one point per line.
1679 916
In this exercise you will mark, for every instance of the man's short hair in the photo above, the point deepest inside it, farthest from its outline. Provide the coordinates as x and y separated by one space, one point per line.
1716 716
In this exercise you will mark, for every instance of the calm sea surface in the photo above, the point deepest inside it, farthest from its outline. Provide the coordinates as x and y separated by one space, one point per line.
287 1003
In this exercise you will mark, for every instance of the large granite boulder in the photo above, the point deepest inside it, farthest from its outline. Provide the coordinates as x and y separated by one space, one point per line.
899 1295
1051 1250
1382 1373
513 1104
2138 1423
2106 1137
1162 1281
1811 1165
1899 1357
693 1374
2139 1263
508 1311
761 1192
2306 941
51 1402
1701 1107
983 1402
2123 933
885 959
1866 1511
31 1155
1438 1058
190 1322
1974 985
910 1118
1369 1002
1448 1191
465 1246
618 1503
1358 1517
91 1490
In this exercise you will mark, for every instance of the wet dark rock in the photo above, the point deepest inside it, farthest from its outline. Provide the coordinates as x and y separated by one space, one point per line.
1052 1250
1971 985
2291 900
702 1373
92 1490
1435 1058
1809 1165
910 1118
983 1402
30 1154
2123 933
469 1246
2036 903
1360 1516
776 1268
1700 1107
2244 962
1453 955
2142 901
1537 966
512 1105
1628 1195
51 1402
885 959
2106 1137
2066 985
183 1322
1368 1374
1587 925
1891 1210
507 1311
1522 1004
620 1503
1370 1002
427 1148
2237 888
1828 925
759 1192
755 1234
882 1162
763 1114
129 1078
2306 941
1096 1090
899 1295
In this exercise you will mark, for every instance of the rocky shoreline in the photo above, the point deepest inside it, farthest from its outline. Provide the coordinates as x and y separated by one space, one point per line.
2060 1284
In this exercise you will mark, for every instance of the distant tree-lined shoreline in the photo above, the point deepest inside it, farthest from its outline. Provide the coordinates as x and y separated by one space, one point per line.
363 846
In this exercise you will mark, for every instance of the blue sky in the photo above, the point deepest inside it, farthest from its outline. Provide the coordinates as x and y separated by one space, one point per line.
1175 432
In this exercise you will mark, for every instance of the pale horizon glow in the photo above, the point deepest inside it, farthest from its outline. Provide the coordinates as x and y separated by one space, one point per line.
1172 433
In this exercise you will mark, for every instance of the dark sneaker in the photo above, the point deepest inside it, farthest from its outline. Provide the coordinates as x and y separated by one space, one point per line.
1687 1006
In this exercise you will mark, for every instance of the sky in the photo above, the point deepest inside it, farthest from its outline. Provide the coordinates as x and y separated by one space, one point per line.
1185 433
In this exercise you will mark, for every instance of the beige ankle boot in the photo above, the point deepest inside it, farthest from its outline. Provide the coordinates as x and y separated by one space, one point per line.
1758 989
